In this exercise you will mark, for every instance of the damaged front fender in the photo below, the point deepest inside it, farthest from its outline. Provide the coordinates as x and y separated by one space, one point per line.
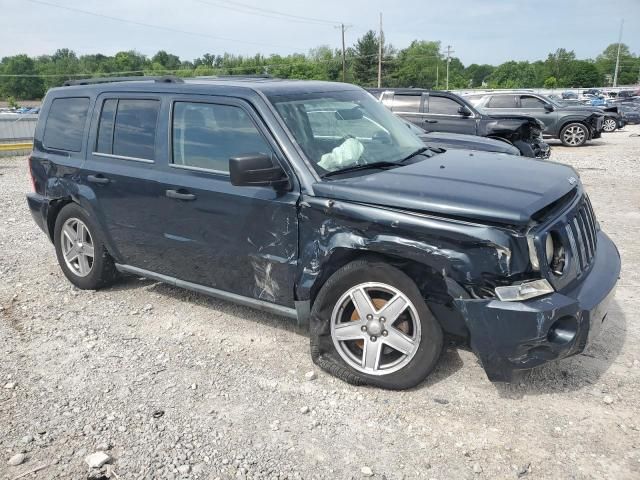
468 253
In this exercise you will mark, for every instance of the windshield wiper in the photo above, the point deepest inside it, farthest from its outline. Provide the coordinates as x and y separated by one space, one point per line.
364 166
417 152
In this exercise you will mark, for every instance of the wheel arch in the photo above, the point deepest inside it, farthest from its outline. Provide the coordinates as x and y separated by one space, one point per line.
57 205
437 289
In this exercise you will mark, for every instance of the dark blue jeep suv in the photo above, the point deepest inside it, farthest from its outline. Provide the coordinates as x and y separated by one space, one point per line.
311 200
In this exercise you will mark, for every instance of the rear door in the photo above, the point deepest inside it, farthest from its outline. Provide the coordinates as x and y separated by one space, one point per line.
407 105
241 240
121 175
442 114
501 105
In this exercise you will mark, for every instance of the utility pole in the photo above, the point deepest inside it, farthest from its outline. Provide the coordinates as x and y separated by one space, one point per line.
615 74
449 52
437 71
380 40
342 28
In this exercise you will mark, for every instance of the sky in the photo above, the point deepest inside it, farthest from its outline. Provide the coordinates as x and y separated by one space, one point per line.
479 31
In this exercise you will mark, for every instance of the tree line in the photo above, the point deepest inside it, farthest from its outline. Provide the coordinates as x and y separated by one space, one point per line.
421 64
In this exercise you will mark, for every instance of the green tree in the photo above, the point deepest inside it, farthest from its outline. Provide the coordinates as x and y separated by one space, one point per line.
418 65
551 82
628 68
21 80
476 74
365 61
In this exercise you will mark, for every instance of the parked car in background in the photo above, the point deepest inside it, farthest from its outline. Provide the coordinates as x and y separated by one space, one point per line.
574 125
275 194
569 95
613 118
630 112
439 111
457 141
629 93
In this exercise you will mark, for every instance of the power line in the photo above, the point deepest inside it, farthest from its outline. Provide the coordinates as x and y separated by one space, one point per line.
265 12
149 25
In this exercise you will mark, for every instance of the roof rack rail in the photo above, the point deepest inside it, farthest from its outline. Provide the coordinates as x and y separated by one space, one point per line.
236 77
141 78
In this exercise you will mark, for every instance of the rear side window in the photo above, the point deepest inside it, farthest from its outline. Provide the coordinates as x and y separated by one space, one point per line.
207 135
65 123
502 101
127 128
443 106
406 103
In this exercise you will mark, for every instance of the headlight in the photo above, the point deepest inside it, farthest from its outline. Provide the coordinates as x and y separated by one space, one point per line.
524 291
555 252
549 248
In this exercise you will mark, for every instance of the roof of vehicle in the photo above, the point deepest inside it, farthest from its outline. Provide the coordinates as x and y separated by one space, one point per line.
407 91
207 85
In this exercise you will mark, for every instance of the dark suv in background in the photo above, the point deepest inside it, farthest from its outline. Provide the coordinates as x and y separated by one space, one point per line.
438 111
313 201
574 125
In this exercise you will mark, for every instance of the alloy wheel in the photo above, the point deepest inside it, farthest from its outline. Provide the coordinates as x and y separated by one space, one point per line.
77 247
609 125
375 328
574 135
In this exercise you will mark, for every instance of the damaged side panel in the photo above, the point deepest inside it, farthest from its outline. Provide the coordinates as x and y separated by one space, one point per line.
464 253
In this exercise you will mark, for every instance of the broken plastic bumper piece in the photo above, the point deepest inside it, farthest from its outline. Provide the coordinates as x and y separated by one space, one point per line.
516 335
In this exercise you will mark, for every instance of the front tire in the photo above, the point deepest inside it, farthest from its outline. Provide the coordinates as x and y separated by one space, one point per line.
574 135
80 249
609 125
370 325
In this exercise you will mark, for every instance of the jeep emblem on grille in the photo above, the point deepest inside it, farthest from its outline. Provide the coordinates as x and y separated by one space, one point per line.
572 180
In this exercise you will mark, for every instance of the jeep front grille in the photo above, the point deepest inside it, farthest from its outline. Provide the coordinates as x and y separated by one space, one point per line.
582 233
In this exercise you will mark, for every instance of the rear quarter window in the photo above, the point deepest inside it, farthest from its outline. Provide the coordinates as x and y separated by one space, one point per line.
64 127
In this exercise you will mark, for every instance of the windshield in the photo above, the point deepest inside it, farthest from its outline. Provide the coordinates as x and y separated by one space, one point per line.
343 129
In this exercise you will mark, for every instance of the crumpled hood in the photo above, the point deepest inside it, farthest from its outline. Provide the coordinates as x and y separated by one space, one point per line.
580 108
474 185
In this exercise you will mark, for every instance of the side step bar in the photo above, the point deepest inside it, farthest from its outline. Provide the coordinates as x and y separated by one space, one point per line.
213 292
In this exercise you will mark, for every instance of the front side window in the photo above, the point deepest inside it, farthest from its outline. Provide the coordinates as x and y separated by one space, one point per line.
502 101
207 135
342 129
127 128
443 106
65 124
527 101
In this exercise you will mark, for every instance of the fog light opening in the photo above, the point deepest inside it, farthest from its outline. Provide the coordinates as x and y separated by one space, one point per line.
563 331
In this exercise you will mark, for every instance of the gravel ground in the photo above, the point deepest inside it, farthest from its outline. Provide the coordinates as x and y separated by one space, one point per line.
172 384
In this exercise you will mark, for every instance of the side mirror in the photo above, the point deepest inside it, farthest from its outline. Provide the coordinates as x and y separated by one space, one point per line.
256 170
464 111
548 107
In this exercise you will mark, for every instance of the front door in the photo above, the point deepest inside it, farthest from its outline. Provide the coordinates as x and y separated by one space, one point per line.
443 114
241 240
538 108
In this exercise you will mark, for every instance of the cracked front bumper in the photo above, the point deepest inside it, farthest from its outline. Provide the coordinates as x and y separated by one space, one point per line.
510 336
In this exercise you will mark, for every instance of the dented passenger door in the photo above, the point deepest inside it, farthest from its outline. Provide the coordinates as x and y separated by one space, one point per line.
238 239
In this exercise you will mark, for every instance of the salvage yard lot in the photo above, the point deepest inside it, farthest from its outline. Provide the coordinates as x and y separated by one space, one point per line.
164 379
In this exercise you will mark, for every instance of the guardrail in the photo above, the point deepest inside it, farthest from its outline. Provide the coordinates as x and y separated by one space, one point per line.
15 127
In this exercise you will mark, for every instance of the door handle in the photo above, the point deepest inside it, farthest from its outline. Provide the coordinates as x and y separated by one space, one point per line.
431 121
98 179
180 195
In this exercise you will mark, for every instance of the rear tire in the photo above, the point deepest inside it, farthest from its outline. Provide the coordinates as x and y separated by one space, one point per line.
574 135
80 249
370 325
